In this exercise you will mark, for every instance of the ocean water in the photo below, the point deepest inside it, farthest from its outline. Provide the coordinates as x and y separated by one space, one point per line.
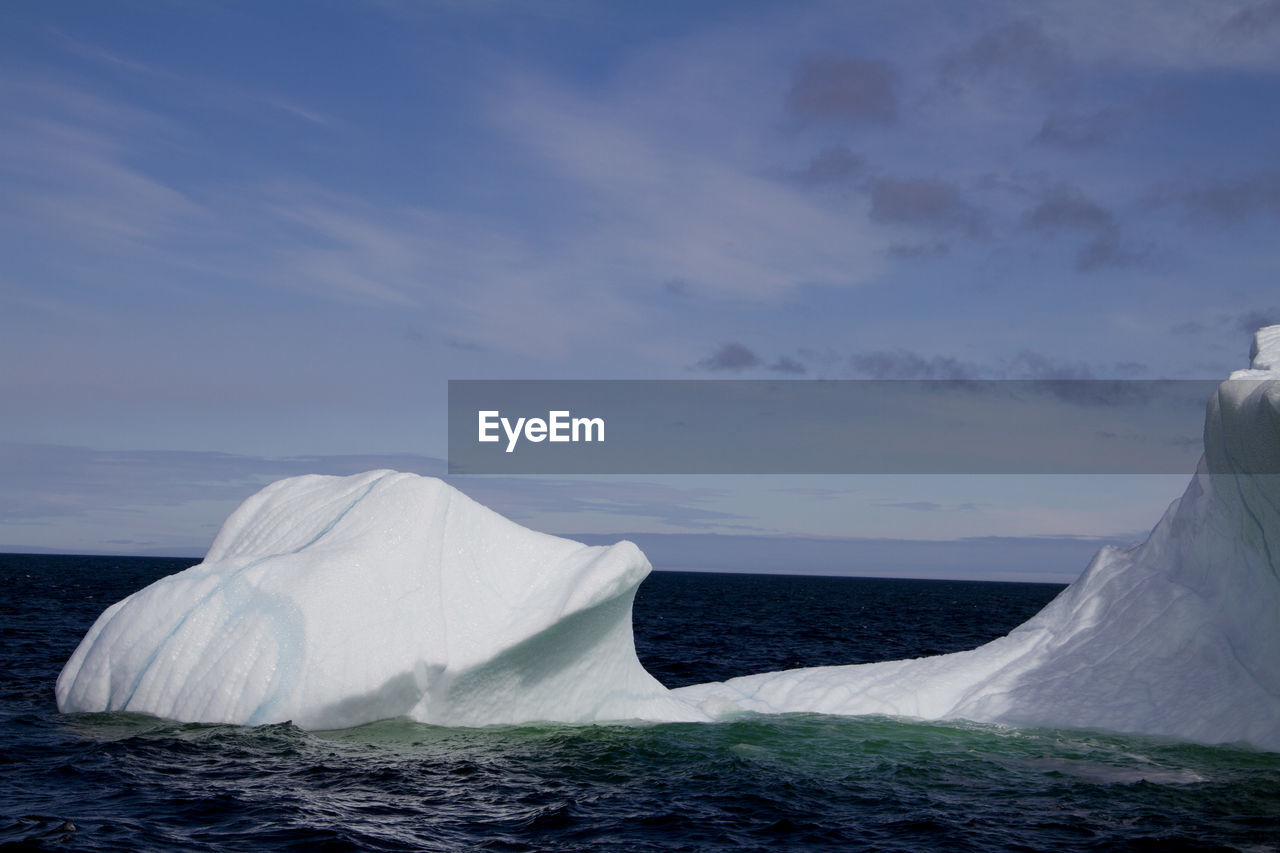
791 782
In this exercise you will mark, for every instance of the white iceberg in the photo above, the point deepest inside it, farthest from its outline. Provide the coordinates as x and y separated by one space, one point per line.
334 601
337 601
1177 636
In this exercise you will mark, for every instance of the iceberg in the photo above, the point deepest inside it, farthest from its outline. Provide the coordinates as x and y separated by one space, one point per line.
336 601
1177 636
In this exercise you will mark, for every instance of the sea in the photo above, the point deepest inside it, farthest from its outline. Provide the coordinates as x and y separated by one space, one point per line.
123 782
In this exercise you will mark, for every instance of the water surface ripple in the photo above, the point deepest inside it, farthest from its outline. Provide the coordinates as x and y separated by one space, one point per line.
130 782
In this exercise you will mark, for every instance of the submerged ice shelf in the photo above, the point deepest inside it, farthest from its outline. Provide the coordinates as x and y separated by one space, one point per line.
335 601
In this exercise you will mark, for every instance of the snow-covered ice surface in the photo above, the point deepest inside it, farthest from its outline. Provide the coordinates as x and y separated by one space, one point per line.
335 601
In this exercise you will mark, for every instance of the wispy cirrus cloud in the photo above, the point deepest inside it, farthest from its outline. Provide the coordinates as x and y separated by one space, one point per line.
79 173
675 210
71 167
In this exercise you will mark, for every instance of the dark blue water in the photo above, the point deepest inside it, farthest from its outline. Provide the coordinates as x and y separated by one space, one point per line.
128 782
692 628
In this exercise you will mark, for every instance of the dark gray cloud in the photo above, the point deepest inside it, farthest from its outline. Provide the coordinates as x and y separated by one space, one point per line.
676 287
1026 365
1029 364
1227 201
904 251
730 356
1077 132
1254 20
836 164
845 87
1075 382
1065 208
787 364
924 202
1251 321
1019 51
1107 250
1032 365
736 357
903 364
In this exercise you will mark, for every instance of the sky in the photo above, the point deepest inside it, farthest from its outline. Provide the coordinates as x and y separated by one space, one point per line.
243 241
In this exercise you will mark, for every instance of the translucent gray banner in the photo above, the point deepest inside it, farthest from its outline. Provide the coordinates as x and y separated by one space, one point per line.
826 427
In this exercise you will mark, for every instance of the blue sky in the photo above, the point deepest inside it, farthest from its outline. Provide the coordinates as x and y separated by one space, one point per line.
247 240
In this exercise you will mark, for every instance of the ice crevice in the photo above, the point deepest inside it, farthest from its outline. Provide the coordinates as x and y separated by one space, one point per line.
337 601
